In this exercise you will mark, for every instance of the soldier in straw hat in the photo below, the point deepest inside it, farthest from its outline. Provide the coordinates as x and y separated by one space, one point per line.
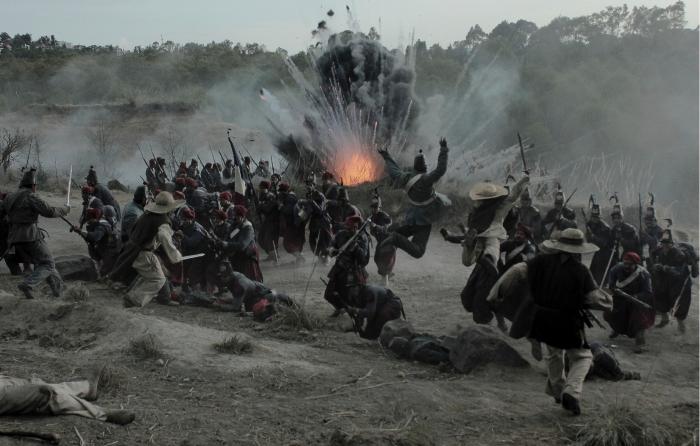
138 258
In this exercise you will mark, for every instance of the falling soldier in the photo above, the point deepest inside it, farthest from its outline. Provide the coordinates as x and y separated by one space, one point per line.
424 203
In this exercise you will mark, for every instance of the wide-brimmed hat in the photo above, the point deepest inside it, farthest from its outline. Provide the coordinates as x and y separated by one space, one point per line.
486 191
163 204
571 240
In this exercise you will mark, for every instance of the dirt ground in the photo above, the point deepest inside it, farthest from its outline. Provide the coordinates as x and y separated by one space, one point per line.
320 387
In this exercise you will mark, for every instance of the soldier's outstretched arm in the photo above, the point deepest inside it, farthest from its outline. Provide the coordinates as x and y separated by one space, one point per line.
392 168
441 167
46 210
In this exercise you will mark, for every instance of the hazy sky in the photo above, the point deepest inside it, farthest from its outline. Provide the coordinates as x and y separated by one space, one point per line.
280 23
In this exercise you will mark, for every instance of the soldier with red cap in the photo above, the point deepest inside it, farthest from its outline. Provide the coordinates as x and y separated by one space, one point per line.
292 228
240 246
103 243
269 230
89 201
519 249
348 274
101 192
627 317
195 240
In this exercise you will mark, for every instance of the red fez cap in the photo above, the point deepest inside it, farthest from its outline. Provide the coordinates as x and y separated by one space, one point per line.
88 189
239 210
188 213
283 187
524 229
220 214
93 213
264 184
191 182
226 196
178 195
631 256
353 220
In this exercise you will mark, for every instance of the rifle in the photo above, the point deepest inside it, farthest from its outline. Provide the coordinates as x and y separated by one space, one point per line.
522 154
158 168
148 166
554 223
203 171
223 161
641 243
74 228
246 178
353 238
619 293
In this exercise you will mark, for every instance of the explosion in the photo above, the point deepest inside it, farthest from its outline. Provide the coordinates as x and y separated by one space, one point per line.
360 100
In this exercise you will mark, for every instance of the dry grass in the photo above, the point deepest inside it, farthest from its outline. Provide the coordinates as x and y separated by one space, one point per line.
146 346
112 379
296 318
235 345
621 425
77 292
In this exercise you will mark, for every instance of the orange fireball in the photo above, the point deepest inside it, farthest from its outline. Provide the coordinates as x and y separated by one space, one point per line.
355 167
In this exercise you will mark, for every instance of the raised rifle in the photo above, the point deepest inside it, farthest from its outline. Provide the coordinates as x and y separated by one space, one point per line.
522 154
246 178
347 244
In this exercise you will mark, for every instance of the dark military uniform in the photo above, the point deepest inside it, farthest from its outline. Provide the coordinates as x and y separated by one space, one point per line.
22 209
600 234
424 204
104 244
348 272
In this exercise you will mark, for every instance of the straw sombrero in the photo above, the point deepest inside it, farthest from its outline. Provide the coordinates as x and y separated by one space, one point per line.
570 240
163 204
486 191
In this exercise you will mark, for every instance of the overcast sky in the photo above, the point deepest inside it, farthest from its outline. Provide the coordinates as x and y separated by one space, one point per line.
280 23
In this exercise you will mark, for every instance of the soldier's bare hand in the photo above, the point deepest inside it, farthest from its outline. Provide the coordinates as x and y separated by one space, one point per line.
443 143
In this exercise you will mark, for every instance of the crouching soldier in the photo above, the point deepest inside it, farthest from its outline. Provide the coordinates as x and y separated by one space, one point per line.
630 317
373 307
348 273
22 209
103 242
138 260
245 293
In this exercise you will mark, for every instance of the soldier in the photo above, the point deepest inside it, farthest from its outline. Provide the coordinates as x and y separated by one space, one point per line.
671 280
380 221
481 245
132 211
90 201
348 273
268 234
103 242
139 260
6 252
329 187
558 218
624 235
182 170
600 234
151 177
195 240
651 232
520 249
193 169
240 247
161 176
22 210
628 317
101 192
425 203
227 173
292 229
320 223
562 288
529 215
340 209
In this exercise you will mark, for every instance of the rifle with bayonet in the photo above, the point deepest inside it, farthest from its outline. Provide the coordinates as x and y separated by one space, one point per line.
246 177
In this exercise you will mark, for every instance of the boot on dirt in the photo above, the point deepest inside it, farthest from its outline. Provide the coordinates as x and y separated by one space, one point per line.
639 342
56 286
681 326
26 289
120 417
664 321
570 403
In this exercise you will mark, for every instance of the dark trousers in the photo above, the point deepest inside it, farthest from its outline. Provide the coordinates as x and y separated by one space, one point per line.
419 234
38 253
